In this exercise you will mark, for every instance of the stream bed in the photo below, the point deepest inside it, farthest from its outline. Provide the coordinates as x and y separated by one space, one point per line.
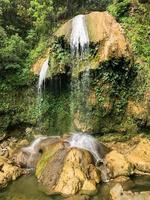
27 188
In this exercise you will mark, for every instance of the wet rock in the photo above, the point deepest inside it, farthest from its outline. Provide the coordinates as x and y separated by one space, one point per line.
68 171
104 30
118 165
36 70
117 193
8 172
25 158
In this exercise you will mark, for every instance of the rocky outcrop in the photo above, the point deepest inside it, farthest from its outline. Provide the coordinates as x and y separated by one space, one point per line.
117 193
118 165
8 172
104 30
131 157
67 171
40 61
139 110
24 158
140 156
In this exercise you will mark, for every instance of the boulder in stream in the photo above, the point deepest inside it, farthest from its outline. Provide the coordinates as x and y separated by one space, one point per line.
67 171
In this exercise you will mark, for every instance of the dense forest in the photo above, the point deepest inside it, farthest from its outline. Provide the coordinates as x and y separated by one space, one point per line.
25 30
75 99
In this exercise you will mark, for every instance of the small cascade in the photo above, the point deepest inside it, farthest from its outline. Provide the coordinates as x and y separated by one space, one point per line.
89 143
79 40
42 76
33 151
33 147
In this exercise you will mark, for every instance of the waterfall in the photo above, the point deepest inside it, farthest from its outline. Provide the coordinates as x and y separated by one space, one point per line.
80 85
89 143
79 39
43 73
34 145
33 151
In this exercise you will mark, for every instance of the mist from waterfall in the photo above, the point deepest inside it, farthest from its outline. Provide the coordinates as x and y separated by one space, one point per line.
79 39
42 75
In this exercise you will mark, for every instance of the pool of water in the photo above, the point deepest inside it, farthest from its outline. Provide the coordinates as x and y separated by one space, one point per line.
27 188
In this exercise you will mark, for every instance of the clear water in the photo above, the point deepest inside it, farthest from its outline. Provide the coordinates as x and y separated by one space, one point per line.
27 188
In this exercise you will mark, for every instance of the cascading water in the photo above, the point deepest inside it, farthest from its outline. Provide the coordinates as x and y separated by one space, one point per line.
33 147
79 40
33 151
42 76
89 143
80 85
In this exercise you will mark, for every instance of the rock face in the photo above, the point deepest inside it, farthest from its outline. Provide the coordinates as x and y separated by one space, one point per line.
129 158
118 165
38 64
140 156
30 158
67 171
117 193
8 172
102 29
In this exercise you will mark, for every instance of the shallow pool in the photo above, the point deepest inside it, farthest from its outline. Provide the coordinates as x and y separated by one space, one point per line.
26 188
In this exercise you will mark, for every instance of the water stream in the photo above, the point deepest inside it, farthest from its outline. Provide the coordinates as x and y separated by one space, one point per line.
27 188
42 75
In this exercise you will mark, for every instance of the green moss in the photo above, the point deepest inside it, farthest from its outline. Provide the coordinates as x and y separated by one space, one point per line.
45 158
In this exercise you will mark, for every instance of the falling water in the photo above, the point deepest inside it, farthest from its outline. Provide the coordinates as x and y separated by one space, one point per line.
89 143
80 86
43 73
33 147
85 141
79 40
33 151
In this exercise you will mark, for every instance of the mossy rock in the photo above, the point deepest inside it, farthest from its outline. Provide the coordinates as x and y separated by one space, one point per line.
46 157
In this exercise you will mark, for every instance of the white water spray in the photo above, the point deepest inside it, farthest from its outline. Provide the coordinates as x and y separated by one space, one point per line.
79 39
89 143
34 145
43 73
33 151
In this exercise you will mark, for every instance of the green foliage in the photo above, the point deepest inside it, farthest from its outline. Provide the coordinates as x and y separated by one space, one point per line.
112 84
119 8
137 30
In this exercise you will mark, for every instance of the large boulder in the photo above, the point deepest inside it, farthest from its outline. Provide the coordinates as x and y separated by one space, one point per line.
139 156
25 158
8 172
118 165
104 30
67 171
117 193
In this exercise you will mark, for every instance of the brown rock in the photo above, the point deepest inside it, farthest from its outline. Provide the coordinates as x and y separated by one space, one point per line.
117 193
69 171
103 29
140 156
40 61
8 172
118 165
